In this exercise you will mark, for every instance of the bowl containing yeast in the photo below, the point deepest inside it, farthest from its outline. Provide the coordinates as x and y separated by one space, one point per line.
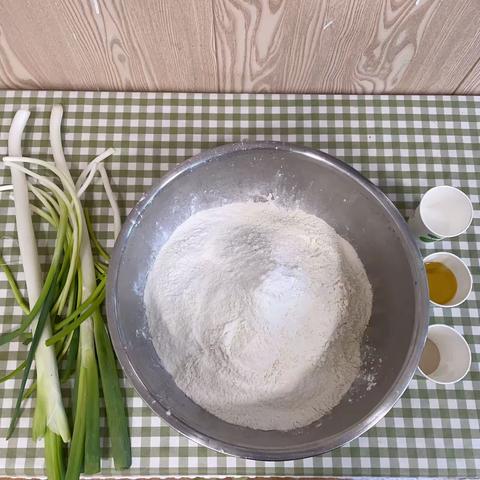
321 185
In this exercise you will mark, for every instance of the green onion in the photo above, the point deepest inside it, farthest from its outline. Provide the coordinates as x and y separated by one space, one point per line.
115 409
54 456
116 413
98 292
42 398
93 237
69 303
13 373
13 286
49 414
86 314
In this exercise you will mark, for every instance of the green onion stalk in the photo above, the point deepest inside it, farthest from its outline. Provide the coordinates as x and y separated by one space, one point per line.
71 295
50 420
93 338
85 448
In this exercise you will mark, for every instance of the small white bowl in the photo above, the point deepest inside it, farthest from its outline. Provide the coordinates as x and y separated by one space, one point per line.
454 352
461 272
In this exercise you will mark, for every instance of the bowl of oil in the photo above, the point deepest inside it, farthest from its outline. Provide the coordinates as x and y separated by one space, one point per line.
449 279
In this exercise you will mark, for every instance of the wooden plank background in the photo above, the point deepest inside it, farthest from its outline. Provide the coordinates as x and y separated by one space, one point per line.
362 46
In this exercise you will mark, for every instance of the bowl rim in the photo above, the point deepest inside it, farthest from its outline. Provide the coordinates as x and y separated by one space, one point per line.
312 448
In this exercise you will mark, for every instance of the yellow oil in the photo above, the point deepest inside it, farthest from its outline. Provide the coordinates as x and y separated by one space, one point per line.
441 282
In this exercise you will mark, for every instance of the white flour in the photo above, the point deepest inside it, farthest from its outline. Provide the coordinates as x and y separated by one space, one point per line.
258 314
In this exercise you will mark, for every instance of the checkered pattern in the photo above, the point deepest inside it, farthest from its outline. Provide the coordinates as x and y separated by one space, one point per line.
404 144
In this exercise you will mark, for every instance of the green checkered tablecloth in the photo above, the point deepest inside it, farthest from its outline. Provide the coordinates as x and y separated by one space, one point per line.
404 144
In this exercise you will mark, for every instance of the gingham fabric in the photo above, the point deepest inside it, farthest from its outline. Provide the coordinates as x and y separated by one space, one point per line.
404 144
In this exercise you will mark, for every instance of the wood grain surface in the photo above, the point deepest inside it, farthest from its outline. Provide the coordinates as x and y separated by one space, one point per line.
127 45
471 83
425 46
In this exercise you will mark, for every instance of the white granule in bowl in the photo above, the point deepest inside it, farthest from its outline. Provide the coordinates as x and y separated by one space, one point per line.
258 314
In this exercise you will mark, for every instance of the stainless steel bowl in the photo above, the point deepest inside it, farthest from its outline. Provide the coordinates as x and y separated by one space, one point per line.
319 184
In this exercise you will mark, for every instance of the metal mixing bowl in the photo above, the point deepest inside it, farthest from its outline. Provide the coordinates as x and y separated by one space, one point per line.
319 184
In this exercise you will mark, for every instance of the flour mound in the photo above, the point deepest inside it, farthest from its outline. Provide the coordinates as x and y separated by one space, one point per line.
258 313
